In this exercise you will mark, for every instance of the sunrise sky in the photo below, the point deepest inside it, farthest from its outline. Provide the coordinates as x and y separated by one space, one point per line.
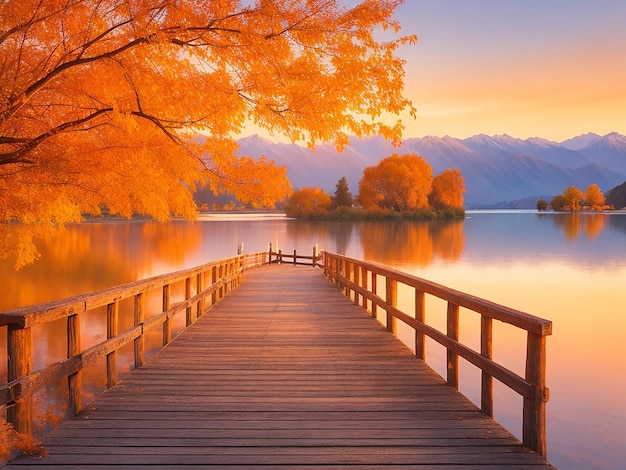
546 68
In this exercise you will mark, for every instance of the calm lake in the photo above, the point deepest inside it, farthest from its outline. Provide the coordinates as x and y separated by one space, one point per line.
569 268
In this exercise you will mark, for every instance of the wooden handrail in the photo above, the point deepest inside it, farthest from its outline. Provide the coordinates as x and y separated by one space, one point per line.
212 281
309 260
352 275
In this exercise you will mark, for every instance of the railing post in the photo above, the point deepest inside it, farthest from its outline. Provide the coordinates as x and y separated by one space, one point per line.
374 287
356 273
220 276
349 278
328 267
138 318
20 364
199 288
534 415
486 394
232 270
294 257
74 381
364 285
391 301
167 324
188 310
112 330
241 267
330 263
213 282
228 273
453 333
420 343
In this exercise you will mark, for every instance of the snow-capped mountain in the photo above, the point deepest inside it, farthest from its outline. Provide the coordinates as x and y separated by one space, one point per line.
495 168
608 151
581 141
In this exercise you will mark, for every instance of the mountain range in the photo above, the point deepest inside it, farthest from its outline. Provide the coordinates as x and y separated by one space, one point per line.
499 171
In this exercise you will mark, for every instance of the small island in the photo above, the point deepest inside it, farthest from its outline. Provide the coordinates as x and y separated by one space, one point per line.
400 186
573 199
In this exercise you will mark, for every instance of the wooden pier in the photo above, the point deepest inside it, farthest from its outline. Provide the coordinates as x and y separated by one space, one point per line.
283 371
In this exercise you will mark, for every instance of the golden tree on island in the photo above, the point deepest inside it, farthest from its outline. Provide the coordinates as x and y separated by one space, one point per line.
99 100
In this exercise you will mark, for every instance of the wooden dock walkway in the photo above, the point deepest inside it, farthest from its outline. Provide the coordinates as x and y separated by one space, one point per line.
284 371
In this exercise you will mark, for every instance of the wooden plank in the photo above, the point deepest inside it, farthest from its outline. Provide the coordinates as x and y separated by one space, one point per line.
284 371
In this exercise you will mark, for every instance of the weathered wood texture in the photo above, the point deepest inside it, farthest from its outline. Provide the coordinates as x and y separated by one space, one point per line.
532 387
284 371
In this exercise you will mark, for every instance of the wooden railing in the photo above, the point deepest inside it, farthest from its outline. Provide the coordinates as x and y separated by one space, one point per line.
358 279
203 286
279 257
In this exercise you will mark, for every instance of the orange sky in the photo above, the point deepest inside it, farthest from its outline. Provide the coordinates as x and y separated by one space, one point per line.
538 68
552 69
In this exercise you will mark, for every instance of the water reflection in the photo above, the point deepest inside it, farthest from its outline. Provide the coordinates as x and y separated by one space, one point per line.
565 267
95 256
573 224
413 242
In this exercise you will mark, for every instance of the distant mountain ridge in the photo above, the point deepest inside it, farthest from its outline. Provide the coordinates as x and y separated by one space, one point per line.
497 169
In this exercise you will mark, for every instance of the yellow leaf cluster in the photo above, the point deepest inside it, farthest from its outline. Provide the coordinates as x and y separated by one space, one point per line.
99 100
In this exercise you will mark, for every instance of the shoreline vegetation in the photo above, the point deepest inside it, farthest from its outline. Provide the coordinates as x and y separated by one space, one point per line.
341 213
351 213
399 187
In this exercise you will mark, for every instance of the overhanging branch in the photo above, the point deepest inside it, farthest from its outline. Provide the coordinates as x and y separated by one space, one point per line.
19 156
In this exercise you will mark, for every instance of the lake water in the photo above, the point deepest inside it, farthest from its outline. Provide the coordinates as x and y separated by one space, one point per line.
569 268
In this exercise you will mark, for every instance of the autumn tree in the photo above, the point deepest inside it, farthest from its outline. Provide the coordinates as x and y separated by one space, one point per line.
558 203
574 197
307 202
447 190
343 196
99 100
398 182
542 204
594 197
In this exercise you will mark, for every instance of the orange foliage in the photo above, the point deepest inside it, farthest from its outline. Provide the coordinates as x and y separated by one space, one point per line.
398 182
308 202
573 197
447 190
594 197
99 100
11 440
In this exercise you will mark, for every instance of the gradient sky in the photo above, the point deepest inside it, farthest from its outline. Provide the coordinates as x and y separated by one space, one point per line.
545 68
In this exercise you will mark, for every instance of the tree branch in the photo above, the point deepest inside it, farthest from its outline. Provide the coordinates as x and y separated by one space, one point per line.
19 155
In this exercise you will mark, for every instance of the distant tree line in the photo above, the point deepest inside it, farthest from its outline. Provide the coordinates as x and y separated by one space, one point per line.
399 186
573 199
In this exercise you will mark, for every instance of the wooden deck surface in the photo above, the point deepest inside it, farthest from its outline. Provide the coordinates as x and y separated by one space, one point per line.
283 372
